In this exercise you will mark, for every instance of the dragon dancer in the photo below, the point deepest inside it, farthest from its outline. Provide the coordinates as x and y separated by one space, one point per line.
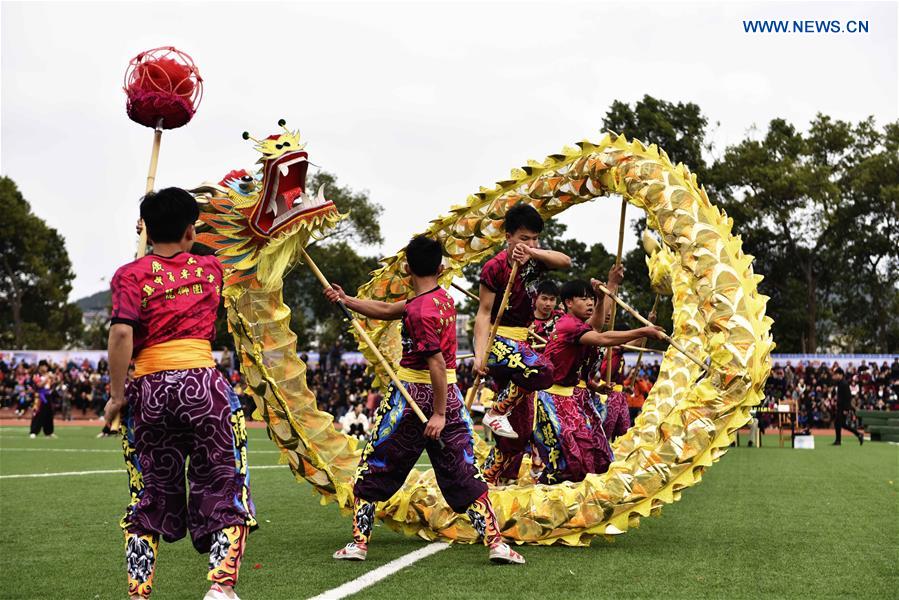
546 315
616 414
568 435
517 370
178 404
427 369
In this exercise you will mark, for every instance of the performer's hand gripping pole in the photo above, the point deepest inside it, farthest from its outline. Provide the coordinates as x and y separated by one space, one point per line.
647 322
469 397
151 181
365 337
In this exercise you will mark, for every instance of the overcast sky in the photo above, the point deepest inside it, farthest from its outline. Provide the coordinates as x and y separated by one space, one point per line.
419 104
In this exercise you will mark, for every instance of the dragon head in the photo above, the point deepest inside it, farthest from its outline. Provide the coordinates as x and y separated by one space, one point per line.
257 222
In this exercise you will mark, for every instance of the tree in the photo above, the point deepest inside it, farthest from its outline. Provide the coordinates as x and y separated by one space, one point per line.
866 233
678 129
819 213
35 278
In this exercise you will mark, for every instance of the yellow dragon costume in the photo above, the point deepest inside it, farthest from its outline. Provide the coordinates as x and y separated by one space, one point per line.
258 222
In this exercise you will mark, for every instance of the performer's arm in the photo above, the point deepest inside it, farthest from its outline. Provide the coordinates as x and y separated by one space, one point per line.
616 338
373 309
651 317
437 369
604 312
482 328
551 259
598 319
121 345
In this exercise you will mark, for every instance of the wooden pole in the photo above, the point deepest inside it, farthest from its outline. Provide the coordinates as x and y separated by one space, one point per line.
365 337
621 224
466 292
640 349
469 396
151 181
645 321
538 338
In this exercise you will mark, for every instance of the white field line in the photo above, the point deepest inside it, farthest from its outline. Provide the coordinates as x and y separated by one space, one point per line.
372 577
61 474
108 471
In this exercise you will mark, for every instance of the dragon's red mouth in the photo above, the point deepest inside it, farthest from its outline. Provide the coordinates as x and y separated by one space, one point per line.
283 200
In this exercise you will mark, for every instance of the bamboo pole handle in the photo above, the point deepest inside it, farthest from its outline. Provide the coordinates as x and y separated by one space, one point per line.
640 349
469 396
151 181
365 337
621 223
537 337
646 322
466 292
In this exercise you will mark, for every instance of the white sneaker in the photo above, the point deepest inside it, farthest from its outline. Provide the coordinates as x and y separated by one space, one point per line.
351 552
499 425
502 553
217 592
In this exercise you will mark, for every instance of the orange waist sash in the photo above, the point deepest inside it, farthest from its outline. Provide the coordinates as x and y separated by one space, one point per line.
175 355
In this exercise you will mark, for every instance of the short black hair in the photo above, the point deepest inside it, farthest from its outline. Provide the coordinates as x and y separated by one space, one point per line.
424 256
576 288
548 287
523 216
168 213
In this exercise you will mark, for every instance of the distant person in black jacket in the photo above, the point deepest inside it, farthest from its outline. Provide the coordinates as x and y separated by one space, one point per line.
844 405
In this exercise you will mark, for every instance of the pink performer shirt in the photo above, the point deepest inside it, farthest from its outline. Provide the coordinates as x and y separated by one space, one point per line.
429 327
166 299
545 327
495 276
565 352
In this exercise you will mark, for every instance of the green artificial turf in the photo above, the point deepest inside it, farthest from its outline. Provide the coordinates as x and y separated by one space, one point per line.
765 522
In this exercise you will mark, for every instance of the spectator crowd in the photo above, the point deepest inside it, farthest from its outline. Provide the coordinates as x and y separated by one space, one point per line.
812 388
71 388
81 388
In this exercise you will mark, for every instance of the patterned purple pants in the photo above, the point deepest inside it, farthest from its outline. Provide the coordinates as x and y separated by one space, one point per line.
397 440
174 416
618 418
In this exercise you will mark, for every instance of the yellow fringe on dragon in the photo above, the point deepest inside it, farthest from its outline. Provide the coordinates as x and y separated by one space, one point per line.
258 222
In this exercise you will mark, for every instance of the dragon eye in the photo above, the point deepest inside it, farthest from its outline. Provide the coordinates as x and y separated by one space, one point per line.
286 144
246 178
278 146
